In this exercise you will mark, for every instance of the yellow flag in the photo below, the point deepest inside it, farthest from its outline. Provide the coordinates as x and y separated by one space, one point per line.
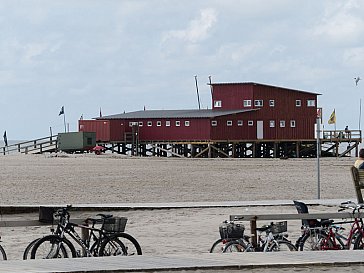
332 119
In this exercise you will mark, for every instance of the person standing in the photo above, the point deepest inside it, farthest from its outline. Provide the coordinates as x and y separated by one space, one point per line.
359 163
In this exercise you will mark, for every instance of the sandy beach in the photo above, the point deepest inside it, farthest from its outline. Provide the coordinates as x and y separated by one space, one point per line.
49 179
105 179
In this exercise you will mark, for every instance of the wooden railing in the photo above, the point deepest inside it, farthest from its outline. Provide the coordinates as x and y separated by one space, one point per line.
342 135
39 145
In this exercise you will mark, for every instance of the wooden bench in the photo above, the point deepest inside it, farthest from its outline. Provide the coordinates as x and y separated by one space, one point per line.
358 179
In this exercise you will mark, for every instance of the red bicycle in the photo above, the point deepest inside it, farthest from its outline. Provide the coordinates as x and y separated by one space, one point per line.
330 235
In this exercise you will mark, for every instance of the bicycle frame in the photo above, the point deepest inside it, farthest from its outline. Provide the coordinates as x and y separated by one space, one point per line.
65 227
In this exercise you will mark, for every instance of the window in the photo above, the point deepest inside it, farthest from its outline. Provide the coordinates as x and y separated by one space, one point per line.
217 103
150 123
187 123
240 123
213 123
159 123
298 103
229 123
272 123
132 123
247 103
250 123
271 103
140 123
178 123
168 123
282 123
311 103
258 103
293 123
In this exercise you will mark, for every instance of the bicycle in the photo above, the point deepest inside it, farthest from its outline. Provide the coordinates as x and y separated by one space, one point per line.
229 231
328 234
2 253
105 241
274 240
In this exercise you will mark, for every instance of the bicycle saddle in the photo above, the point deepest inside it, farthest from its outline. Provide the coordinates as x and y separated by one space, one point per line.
104 216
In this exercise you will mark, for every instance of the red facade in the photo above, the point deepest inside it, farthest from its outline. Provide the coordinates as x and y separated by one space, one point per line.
284 114
272 113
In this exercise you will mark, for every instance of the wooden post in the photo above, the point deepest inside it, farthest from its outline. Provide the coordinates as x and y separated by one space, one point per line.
253 231
84 236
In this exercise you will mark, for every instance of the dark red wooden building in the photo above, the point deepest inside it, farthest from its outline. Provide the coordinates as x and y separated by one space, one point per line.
246 119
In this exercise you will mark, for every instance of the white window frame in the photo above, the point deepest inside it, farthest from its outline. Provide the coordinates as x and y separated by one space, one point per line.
150 123
217 103
298 103
247 103
282 123
214 123
258 103
140 124
293 123
272 123
178 123
240 123
168 123
229 123
159 123
311 103
187 123
250 123
271 103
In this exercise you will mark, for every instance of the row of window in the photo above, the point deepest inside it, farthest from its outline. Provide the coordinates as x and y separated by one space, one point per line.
159 123
272 123
282 123
259 103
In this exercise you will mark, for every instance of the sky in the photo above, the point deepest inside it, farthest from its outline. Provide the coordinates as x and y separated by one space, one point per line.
120 55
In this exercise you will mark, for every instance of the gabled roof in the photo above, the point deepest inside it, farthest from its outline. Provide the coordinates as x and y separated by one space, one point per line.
153 114
266 85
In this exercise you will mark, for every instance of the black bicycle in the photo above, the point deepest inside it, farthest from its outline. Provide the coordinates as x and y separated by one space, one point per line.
107 240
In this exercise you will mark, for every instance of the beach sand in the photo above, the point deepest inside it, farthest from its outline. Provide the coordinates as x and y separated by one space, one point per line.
81 179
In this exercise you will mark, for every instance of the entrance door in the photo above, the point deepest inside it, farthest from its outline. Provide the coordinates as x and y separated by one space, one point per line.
259 129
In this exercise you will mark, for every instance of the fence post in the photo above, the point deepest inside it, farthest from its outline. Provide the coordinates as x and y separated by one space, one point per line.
253 231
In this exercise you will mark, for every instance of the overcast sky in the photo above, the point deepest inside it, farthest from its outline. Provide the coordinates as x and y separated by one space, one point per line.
123 55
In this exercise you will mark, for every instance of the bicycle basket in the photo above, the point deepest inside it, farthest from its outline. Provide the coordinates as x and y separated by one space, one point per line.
114 224
279 227
231 230
46 215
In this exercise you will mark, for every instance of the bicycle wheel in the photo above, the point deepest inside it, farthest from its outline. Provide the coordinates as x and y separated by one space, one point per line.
315 240
52 247
235 246
2 253
359 241
219 245
27 251
131 245
282 246
112 247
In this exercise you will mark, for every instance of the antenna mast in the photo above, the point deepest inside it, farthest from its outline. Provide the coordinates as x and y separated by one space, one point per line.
198 95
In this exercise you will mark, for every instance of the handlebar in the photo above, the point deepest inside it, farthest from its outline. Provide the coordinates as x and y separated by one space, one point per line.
350 205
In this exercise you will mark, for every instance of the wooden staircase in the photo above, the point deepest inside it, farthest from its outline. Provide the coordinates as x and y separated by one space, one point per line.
36 146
